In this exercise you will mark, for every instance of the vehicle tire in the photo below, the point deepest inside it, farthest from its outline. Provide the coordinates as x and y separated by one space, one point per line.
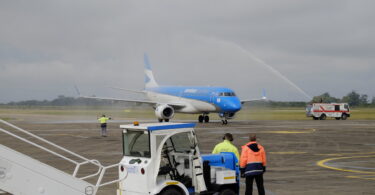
160 120
200 118
338 118
225 122
323 117
171 191
227 192
166 120
315 118
344 116
206 119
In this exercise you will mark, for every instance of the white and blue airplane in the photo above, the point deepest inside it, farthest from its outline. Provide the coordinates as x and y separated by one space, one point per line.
168 100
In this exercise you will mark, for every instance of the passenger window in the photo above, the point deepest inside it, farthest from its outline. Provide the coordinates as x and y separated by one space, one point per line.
337 107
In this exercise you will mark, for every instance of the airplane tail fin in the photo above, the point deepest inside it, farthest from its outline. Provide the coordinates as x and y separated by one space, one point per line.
149 76
264 95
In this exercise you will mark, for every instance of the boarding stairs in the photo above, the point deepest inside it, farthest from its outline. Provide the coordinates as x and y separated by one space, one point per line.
21 174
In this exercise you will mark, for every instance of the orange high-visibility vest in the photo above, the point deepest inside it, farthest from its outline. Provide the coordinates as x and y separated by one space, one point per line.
253 161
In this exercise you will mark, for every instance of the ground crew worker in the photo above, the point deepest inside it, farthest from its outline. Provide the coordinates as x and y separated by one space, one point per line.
226 146
253 165
103 124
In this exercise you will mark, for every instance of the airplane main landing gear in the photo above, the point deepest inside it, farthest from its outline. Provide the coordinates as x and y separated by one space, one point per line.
224 121
200 118
161 120
204 118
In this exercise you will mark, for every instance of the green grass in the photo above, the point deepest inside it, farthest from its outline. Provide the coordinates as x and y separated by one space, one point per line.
256 113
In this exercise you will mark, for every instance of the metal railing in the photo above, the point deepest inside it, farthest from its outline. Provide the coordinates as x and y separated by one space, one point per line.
101 169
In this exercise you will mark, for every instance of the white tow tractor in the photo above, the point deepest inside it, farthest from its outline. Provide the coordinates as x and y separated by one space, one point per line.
164 159
323 110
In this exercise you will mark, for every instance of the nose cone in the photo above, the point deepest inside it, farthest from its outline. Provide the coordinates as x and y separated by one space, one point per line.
231 105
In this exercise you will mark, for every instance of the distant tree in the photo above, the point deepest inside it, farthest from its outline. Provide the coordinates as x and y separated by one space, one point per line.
373 101
355 99
324 98
363 100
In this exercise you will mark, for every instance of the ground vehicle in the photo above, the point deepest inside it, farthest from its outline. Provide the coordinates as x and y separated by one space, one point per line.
164 159
323 110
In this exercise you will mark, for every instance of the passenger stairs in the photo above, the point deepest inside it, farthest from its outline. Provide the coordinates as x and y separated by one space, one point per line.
21 174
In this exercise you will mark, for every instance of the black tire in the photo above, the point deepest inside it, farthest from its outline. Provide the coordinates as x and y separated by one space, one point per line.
323 117
206 119
160 120
227 192
315 118
344 116
200 118
225 122
166 120
171 191
338 118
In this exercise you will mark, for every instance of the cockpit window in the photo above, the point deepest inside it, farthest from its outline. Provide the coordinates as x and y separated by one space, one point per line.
227 94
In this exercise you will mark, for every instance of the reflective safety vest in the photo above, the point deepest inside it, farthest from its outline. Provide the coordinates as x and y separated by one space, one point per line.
253 158
226 146
103 120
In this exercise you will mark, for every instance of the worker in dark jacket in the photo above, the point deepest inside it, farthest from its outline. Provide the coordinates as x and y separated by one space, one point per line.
253 165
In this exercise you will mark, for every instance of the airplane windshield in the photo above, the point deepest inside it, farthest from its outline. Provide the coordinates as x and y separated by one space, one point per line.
227 94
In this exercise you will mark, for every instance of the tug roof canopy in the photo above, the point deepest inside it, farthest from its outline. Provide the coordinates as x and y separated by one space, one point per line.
158 126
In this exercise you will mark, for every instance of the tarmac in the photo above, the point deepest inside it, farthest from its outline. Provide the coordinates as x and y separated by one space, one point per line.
304 157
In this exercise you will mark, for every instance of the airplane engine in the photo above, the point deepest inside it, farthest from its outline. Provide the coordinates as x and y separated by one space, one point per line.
164 112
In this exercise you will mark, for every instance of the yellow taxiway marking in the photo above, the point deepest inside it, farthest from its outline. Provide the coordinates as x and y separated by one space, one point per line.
343 154
322 164
367 177
291 131
291 152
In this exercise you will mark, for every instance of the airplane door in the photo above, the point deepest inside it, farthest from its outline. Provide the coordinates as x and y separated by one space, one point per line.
213 98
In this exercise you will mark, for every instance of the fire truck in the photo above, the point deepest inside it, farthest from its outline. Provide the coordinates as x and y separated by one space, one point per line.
320 111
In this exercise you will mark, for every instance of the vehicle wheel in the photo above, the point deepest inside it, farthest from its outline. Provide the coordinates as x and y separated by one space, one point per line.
170 191
206 119
315 118
166 120
225 122
227 192
200 118
337 118
344 116
160 120
323 117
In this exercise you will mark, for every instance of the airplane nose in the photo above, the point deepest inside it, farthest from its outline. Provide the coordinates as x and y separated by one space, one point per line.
233 106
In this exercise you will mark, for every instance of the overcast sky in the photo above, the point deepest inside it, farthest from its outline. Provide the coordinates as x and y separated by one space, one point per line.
322 46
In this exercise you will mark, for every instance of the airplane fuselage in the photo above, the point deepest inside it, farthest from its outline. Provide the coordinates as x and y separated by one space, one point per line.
197 100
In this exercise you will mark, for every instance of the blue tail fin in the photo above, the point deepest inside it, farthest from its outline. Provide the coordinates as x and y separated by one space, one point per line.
149 76
264 95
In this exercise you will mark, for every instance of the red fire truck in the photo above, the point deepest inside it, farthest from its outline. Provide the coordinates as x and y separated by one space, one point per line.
323 110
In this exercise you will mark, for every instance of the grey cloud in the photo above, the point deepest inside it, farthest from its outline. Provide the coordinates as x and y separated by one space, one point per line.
320 45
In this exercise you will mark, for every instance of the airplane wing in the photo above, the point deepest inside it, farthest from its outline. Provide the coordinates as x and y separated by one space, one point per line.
152 103
175 105
119 99
264 98
129 90
254 100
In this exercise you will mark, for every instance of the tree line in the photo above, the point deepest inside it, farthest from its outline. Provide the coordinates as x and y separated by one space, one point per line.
62 100
353 98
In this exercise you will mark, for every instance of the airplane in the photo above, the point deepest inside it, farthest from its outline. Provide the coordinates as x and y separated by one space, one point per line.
168 100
